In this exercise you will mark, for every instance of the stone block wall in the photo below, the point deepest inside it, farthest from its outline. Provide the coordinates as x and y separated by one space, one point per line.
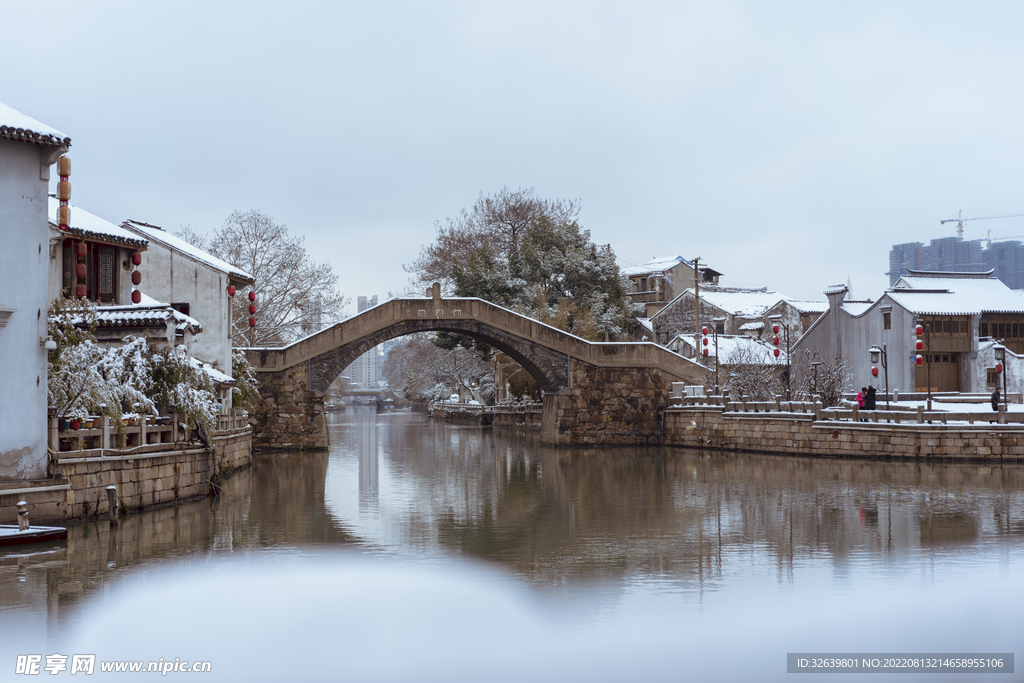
288 414
153 476
607 406
800 434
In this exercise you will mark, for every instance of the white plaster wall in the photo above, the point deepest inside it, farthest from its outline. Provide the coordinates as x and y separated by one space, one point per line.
170 276
24 267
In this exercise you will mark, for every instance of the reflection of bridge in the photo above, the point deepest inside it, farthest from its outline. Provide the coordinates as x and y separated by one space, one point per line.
593 392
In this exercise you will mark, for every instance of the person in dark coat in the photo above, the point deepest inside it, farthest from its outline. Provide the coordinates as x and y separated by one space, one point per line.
995 399
869 398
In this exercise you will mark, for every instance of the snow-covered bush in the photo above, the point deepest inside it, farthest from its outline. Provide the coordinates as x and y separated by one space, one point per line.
246 387
179 386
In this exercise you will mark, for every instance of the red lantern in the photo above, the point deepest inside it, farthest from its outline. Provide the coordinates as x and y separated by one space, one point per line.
137 258
776 351
775 340
80 270
252 309
874 371
252 322
81 249
920 345
80 291
919 330
252 296
775 330
919 359
703 330
231 290
705 341
136 278
136 296
705 352
999 367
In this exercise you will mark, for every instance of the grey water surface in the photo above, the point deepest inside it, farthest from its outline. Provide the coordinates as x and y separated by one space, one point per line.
417 550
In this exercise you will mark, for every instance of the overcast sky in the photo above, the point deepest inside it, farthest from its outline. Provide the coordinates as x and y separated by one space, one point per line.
787 144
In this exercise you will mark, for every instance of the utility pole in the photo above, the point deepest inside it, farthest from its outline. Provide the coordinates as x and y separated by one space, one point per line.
696 297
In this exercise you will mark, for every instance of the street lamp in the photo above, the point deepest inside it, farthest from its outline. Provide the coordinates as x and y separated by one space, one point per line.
1000 353
815 364
880 354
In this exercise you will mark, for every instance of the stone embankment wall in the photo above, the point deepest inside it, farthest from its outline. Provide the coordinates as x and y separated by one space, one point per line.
607 406
459 414
148 476
529 421
800 434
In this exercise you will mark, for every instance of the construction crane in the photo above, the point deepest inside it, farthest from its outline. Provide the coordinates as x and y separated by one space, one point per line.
959 220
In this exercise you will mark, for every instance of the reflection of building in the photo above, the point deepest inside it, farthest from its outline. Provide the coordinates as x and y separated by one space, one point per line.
365 371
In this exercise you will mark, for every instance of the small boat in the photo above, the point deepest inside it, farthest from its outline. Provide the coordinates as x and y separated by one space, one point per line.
11 535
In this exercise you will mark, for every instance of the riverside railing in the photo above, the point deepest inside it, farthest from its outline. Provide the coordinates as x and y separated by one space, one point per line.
96 435
815 409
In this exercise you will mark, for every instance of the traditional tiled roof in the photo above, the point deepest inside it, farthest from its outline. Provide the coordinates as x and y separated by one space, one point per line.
147 313
85 224
734 347
161 236
955 294
805 306
745 303
657 265
16 126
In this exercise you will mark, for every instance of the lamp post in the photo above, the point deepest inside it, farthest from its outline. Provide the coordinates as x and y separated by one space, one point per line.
815 364
779 326
1000 353
880 354
715 323
925 328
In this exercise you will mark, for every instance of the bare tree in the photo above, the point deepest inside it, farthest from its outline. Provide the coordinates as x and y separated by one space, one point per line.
831 381
415 365
289 284
752 373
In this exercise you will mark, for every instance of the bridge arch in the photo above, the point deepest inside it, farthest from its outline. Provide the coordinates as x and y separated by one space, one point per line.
593 392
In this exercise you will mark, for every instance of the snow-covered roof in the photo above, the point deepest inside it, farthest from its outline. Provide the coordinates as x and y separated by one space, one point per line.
16 126
805 306
85 224
758 325
174 242
745 303
214 374
836 289
733 348
147 313
857 307
646 322
959 295
658 264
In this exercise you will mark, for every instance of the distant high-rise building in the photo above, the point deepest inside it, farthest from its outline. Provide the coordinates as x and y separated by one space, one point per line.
903 256
1007 258
365 371
959 255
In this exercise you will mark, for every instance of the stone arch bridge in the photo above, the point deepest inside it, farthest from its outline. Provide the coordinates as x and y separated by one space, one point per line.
593 392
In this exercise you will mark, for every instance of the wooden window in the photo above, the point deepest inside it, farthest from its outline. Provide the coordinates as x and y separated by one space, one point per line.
1002 330
68 269
106 273
1013 332
991 377
886 320
983 332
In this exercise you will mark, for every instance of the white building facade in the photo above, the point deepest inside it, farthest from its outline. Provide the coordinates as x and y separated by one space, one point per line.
27 150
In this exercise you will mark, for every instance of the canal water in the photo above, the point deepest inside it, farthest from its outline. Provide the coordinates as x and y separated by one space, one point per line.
417 550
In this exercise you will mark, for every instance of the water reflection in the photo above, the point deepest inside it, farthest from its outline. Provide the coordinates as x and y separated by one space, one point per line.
623 536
